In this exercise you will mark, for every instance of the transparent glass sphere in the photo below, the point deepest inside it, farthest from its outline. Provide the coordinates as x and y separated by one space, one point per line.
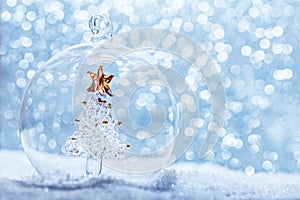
158 76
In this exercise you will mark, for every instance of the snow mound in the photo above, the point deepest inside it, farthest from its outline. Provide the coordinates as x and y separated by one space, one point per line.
164 181
180 181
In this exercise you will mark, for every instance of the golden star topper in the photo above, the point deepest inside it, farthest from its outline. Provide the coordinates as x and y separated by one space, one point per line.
100 82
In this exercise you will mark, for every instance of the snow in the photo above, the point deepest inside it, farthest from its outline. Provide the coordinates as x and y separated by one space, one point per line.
179 181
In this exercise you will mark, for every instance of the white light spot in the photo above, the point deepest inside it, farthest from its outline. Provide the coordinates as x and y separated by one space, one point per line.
26 26
119 63
30 74
254 123
155 89
297 155
121 113
203 6
188 26
170 39
246 50
264 43
30 15
277 48
198 122
238 144
29 57
222 56
253 139
189 131
202 60
55 127
249 170
205 94
187 99
219 47
128 10
42 138
8 114
49 77
52 144
141 102
63 77
227 48
236 107
243 25
6 16
226 154
190 80
227 82
268 166
187 51
277 31
26 42
261 102
59 15
219 33
259 32
11 3
134 19
119 93
177 22
259 55
145 150
268 33
269 89
148 96
284 74
124 82
190 155
234 162
270 155
171 116
202 19
235 69
254 149
21 82
253 12
141 135
23 64
287 49
229 140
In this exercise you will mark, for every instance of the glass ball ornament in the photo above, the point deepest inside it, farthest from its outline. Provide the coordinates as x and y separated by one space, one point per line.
157 78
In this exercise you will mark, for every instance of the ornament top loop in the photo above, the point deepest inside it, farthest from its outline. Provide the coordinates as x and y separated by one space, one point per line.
101 27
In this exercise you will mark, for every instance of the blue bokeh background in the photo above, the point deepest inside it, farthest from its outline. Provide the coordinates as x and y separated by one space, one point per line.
254 42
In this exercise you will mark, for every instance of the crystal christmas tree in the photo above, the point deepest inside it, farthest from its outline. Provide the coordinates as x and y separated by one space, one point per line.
97 134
